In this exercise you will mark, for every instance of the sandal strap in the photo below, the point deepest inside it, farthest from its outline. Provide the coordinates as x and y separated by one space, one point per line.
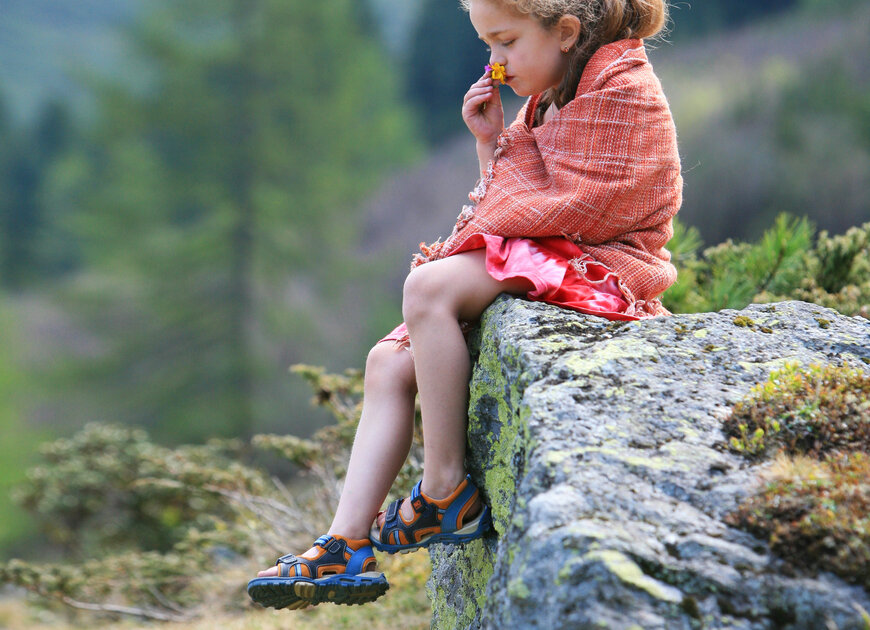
427 515
335 555
451 515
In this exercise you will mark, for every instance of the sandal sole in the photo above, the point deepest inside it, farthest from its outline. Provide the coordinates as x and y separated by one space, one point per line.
298 592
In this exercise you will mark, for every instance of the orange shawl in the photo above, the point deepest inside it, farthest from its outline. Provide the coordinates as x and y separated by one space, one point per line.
604 172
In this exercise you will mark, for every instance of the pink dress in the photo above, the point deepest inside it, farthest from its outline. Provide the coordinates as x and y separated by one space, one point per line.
546 263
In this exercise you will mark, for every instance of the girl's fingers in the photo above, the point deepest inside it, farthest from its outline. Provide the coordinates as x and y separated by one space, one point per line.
473 103
482 82
477 92
481 107
478 89
496 93
481 96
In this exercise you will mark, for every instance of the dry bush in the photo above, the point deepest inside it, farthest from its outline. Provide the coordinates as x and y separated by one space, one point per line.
814 509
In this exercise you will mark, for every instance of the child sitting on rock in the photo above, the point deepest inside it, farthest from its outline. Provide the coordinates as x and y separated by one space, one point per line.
574 207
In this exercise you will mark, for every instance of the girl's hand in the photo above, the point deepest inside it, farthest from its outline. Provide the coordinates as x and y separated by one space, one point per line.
482 110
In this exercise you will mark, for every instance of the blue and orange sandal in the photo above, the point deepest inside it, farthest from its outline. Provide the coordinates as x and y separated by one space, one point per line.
434 521
341 572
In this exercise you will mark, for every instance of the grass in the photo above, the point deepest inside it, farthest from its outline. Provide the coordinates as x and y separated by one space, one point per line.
404 606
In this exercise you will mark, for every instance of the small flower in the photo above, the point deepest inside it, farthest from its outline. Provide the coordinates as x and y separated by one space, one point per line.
496 71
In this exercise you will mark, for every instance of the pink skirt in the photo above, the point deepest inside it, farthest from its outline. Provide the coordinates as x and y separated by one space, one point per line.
546 263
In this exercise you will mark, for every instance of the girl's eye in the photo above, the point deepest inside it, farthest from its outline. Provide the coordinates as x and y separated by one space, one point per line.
508 43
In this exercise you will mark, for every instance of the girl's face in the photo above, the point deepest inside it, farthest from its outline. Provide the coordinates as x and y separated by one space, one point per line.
532 55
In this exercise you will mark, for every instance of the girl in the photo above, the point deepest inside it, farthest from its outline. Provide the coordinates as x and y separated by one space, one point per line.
573 208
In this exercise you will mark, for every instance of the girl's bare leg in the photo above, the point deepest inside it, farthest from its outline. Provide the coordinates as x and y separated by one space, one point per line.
437 296
382 441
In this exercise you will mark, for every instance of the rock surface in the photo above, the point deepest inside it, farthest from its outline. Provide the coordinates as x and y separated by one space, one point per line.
596 444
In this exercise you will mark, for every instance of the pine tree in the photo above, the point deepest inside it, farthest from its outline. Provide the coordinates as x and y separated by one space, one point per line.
228 164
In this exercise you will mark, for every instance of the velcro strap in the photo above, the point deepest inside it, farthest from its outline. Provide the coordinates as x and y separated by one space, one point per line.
335 547
392 511
285 563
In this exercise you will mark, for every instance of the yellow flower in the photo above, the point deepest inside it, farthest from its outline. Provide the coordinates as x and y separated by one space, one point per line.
497 72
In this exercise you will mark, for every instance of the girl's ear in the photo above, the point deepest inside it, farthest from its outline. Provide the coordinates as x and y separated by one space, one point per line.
569 30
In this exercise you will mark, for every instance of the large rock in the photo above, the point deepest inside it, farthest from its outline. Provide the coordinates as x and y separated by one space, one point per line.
596 444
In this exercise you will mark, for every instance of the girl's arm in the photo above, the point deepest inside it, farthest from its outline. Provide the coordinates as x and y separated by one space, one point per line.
483 114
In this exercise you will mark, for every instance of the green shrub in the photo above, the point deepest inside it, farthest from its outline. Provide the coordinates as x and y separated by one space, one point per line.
108 489
786 264
812 410
146 527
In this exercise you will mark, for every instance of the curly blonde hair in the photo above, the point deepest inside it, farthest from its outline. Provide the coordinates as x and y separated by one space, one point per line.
602 22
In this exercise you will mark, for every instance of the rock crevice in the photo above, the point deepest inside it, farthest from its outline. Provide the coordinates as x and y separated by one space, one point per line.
597 444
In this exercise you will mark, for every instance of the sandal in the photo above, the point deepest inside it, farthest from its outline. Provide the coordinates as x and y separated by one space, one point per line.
434 521
342 572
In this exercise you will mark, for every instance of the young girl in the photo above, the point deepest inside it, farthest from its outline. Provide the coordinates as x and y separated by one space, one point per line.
573 208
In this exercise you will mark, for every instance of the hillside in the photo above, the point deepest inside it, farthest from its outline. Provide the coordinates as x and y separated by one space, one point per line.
771 118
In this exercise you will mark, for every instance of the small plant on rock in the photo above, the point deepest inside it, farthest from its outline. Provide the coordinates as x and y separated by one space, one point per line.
815 508
816 514
813 410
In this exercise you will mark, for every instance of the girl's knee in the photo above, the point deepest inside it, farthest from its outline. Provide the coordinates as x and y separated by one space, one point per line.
423 292
389 365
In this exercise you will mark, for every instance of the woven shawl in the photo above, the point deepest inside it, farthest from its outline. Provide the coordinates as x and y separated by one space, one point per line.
603 172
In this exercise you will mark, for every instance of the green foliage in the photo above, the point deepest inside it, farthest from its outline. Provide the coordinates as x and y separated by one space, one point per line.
139 522
812 411
774 125
109 488
148 529
815 513
731 274
150 584
784 264
19 439
700 18
446 57
825 7
26 227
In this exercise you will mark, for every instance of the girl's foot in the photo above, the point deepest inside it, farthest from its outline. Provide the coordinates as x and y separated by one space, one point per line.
410 524
336 569
407 512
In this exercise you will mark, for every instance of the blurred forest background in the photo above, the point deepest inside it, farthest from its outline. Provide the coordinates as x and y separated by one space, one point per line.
196 195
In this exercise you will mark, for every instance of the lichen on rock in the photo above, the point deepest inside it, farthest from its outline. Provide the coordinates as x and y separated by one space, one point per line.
599 447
